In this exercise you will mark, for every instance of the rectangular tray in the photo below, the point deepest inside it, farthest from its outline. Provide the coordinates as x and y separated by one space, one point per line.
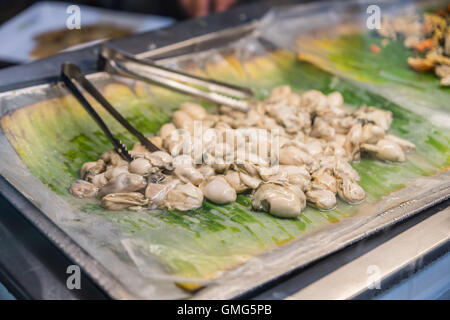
391 210
51 15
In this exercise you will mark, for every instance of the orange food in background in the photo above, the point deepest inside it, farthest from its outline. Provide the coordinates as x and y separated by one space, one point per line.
424 45
374 48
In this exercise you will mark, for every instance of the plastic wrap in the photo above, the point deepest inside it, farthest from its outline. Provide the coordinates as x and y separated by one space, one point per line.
335 36
228 249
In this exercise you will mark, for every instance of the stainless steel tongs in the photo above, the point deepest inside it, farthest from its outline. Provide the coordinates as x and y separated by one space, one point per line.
122 64
217 92
70 72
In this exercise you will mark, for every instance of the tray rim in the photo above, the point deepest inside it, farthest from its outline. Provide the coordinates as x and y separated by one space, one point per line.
104 279
99 274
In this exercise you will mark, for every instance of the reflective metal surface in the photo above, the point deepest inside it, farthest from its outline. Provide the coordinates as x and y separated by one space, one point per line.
373 269
384 216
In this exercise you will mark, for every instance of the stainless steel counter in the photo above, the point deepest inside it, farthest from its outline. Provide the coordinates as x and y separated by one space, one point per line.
31 266
368 274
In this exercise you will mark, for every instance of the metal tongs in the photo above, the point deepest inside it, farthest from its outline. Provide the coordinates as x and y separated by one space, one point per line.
122 64
221 93
70 72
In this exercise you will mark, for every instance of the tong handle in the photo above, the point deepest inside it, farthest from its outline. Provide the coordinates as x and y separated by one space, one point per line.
126 65
70 71
181 87
108 54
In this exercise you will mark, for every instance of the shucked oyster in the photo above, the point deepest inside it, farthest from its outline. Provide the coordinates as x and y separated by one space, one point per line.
386 150
343 169
187 173
404 144
157 192
142 167
248 180
195 111
125 182
160 159
90 169
216 189
371 133
323 179
352 142
83 189
321 198
278 200
234 180
350 191
113 172
121 201
182 120
382 118
291 155
99 180
113 159
286 174
183 197
283 147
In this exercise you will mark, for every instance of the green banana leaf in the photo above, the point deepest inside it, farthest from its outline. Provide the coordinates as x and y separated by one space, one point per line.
347 51
55 137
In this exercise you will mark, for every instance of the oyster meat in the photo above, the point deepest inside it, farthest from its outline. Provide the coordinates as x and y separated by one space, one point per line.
287 150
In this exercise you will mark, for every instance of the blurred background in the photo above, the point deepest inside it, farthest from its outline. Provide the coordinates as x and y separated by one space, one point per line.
35 29
178 9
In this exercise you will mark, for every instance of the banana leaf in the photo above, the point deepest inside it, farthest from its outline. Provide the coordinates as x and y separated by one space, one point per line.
345 49
54 137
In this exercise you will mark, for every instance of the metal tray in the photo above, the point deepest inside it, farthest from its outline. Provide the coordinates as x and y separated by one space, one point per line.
176 41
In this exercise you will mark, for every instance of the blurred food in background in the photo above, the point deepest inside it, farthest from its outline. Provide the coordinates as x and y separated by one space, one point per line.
199 8
51 42
428 35
41 29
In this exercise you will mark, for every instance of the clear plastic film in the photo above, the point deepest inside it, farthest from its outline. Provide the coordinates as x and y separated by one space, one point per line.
339 37
224 250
